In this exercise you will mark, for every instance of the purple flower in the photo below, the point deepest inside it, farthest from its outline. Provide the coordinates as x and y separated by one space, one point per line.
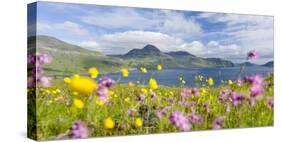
257 85
162 112
171 100
253 55
106 81
140 97
78 130
195 91
239 82
207 106
183 102
196 119
44 81
131 112
217 123
180 120
224 95
192 106
185 92
256 90
255 79
152 94
236 98
37 70
103 93
42 59
31 59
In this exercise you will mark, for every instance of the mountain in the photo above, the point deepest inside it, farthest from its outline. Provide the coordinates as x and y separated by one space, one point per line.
248 64
150 56
268 64
148 50
69 58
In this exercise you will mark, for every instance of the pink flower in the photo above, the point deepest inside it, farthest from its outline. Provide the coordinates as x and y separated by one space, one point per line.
217 123
180 120
106 81
103 93
185 92
44 81
78 130
253 55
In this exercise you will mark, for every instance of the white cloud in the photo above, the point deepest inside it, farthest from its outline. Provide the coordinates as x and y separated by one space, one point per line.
177 25
67 27
248 31
120 43
165 21
125 18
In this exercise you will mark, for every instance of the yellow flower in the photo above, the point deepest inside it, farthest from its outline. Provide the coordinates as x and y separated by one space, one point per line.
138 122
47 91
50 101
230 82
159 67
58 90
125 72
94 72
75 93
109 123
131 84
144 91
67 80
203 91
82 85
143 70
127 99
99 103
78 103
153 83
210 81
111 93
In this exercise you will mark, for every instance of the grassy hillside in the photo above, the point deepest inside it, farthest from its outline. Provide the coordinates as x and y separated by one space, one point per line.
68 58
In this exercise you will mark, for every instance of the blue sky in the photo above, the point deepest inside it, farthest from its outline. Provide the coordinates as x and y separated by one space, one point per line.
116 30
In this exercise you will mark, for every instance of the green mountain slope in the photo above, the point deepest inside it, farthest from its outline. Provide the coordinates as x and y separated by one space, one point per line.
68 58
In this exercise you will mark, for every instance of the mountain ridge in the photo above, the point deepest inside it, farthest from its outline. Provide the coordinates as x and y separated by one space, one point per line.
72 58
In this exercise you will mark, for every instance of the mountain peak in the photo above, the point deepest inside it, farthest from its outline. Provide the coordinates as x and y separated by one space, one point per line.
147 50
151 48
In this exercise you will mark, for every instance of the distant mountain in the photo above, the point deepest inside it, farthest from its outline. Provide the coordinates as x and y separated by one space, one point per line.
248 64
179 54
268 64
150 56
148 50
68 58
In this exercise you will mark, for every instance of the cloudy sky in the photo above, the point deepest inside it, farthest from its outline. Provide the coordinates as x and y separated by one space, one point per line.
116 30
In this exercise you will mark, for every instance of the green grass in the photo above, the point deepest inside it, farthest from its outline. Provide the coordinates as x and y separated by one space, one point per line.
55 116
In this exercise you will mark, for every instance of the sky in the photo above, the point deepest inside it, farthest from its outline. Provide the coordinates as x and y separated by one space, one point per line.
117 30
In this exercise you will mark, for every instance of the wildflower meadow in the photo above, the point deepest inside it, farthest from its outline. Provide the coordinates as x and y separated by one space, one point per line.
94 105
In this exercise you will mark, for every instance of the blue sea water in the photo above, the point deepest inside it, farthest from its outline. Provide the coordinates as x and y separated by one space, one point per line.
169 77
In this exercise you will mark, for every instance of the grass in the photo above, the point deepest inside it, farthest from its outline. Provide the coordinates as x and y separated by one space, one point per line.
55 111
